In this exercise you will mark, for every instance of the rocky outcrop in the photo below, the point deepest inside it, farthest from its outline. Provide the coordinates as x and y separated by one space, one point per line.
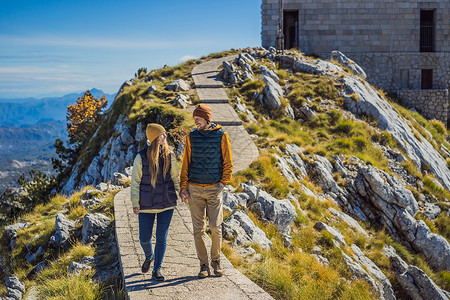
349 220
348 63
272 93
14 288
63 229
265 71
178 85
397 206
316 66
362 267
115 156
233 201
11 231
279 212
244 232
371 103
242 109
412 279
94 225
182 101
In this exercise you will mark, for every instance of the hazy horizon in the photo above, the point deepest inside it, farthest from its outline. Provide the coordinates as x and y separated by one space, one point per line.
53 48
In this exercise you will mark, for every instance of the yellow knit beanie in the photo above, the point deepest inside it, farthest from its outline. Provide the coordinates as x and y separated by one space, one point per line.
153 131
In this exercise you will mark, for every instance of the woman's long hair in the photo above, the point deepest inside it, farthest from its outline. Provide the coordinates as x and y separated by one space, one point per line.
153 160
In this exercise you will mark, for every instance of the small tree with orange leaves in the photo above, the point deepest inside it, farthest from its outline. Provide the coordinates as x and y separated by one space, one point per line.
84 117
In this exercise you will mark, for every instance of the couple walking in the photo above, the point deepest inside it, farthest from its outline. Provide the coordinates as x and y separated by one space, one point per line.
206 169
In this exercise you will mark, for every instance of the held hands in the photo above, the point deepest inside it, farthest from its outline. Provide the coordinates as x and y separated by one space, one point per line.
184 195
136 210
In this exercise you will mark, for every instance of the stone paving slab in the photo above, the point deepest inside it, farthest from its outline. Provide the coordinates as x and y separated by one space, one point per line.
180 265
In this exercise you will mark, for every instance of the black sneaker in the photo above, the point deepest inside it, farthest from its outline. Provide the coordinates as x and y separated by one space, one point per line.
156 275
146 265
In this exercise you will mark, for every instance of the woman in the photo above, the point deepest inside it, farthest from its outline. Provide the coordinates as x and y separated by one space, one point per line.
154 187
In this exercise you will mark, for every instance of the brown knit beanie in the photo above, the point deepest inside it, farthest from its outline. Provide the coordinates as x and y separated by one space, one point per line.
203 111
153 131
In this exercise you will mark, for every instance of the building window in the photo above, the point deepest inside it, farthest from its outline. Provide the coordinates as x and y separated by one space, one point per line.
427 30
427 79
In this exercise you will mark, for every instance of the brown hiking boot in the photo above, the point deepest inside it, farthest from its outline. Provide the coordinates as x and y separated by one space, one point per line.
217 266
204 271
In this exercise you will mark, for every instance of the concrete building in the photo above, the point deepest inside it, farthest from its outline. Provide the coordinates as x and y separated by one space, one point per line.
403 45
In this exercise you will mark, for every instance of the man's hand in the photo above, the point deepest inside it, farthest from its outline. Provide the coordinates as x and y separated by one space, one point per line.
184 195
136 210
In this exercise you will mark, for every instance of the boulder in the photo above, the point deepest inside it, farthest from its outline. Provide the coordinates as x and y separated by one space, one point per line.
119 179
412 279
316 66
321 172
12 229
14 283
272 93
151 89
94 225
140 132
77 268
63 228
295 160
178 85
431 210
13 294
244 232
348 63
285 169
279 212
306 113
265 71
233 201
181 101
32 257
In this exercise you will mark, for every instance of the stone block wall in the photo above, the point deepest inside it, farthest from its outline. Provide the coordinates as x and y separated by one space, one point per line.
432 104
358 25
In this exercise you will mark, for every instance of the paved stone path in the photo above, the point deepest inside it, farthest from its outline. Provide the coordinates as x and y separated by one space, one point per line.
180 266
210 91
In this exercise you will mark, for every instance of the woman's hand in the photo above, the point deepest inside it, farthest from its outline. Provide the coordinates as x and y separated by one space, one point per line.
136 210
184 195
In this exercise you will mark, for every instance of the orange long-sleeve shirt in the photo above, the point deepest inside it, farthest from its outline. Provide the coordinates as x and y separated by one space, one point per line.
227 161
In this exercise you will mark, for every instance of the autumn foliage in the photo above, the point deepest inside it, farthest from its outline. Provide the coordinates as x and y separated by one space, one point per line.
84 116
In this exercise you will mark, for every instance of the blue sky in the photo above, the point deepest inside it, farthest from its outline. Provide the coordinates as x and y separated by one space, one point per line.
50 48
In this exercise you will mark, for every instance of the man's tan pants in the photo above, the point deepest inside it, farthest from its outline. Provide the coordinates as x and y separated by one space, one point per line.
206 201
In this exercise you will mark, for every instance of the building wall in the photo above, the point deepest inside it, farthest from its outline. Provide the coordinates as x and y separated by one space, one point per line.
432 104
383 37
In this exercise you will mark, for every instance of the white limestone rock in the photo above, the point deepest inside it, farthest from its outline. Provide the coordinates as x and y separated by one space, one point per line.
347 62
240 227
372 103
272 93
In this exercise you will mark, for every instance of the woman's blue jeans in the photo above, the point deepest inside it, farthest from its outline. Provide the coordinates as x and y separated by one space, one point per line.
146 221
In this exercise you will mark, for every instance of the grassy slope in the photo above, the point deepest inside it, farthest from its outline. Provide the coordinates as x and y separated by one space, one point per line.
293 273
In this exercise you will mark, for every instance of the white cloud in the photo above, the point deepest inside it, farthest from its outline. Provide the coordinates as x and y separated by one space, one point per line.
95 42
186 58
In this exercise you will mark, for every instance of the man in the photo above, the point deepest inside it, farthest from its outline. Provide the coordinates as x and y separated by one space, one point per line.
206 170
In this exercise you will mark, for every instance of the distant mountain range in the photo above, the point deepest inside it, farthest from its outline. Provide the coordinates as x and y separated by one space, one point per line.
31 111
28 129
